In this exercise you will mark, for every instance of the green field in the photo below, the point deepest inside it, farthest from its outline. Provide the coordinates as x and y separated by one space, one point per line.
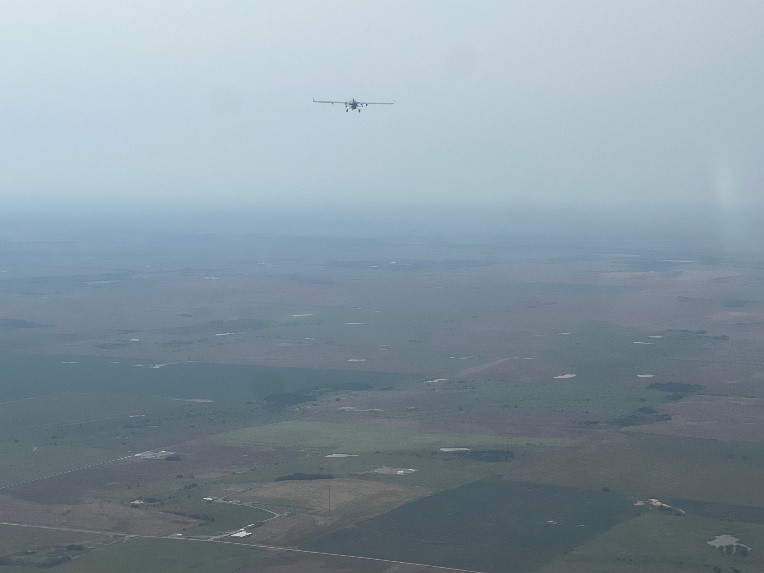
660 542
493 526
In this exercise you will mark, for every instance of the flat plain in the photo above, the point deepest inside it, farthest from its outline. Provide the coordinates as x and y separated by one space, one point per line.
292 404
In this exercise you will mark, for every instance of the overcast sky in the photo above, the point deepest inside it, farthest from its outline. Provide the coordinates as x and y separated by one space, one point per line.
496 102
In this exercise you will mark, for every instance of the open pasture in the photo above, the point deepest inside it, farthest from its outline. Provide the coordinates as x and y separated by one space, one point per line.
309 508
137 555
660 542
645 466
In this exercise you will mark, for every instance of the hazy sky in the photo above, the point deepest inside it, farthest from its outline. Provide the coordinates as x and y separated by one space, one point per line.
508 101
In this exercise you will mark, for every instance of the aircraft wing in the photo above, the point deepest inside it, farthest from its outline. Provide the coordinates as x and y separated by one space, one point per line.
326 101
376 102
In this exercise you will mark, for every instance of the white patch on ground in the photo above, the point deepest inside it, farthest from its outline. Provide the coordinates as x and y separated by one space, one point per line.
353 323
69 362
436 380
135 340
641 342
564 376
342 456
454 449
354 409
726 540
385 470
356 360
564 333
194 400
154 455
645 375
163 365
227 333
721 540
655 336
302 315
211 278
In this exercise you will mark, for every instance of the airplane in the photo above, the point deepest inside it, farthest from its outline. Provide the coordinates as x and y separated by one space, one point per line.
353 104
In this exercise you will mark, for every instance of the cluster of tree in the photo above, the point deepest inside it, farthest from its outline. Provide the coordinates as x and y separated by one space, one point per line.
43 563
678 387
489 455
644 415
280 400
199 516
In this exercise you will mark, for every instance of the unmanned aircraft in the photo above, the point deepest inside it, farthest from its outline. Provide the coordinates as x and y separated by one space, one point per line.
353 104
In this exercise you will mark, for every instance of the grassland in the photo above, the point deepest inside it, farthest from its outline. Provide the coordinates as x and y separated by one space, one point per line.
653 466
257 366
166 555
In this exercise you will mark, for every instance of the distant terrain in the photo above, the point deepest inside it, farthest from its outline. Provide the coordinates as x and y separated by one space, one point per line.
244 403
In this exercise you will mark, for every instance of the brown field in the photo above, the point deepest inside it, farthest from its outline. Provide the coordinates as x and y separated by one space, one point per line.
93 515
12 538
517 368
308 505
